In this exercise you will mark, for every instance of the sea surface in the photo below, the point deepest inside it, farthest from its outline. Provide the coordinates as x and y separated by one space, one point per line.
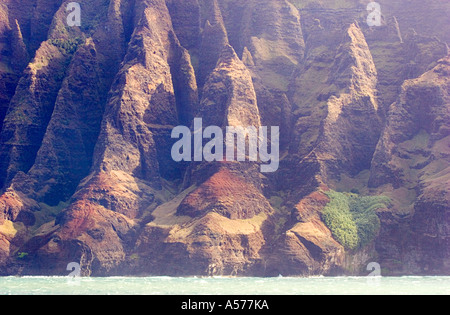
225 286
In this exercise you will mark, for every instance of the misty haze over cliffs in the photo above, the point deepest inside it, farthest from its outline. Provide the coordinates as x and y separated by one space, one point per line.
87 112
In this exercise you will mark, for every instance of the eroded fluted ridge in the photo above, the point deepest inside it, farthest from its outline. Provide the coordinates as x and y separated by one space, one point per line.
85 140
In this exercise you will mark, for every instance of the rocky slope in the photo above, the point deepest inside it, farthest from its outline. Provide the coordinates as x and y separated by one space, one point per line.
86 115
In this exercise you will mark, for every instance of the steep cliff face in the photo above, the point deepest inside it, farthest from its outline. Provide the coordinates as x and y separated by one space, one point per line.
86 116
411 164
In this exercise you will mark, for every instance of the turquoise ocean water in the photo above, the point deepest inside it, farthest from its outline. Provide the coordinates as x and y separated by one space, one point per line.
225 286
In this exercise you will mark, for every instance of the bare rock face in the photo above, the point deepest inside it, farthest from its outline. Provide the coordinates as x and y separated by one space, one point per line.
229 92
25 125
214 196
307 246
214 38
86 116
20 23
353 116
412 160
425 18
221 221
126 162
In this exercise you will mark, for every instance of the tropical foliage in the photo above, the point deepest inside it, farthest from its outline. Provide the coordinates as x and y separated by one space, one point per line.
352 218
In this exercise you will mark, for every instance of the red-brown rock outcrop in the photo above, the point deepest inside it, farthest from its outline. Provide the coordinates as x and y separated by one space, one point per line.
86 115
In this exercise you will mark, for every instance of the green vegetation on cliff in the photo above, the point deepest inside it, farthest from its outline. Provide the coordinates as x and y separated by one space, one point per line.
352 218
68 46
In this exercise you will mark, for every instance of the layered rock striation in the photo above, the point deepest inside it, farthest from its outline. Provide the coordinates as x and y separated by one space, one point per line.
86 120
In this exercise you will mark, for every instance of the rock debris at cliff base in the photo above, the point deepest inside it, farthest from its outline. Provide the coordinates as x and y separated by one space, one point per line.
86 114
